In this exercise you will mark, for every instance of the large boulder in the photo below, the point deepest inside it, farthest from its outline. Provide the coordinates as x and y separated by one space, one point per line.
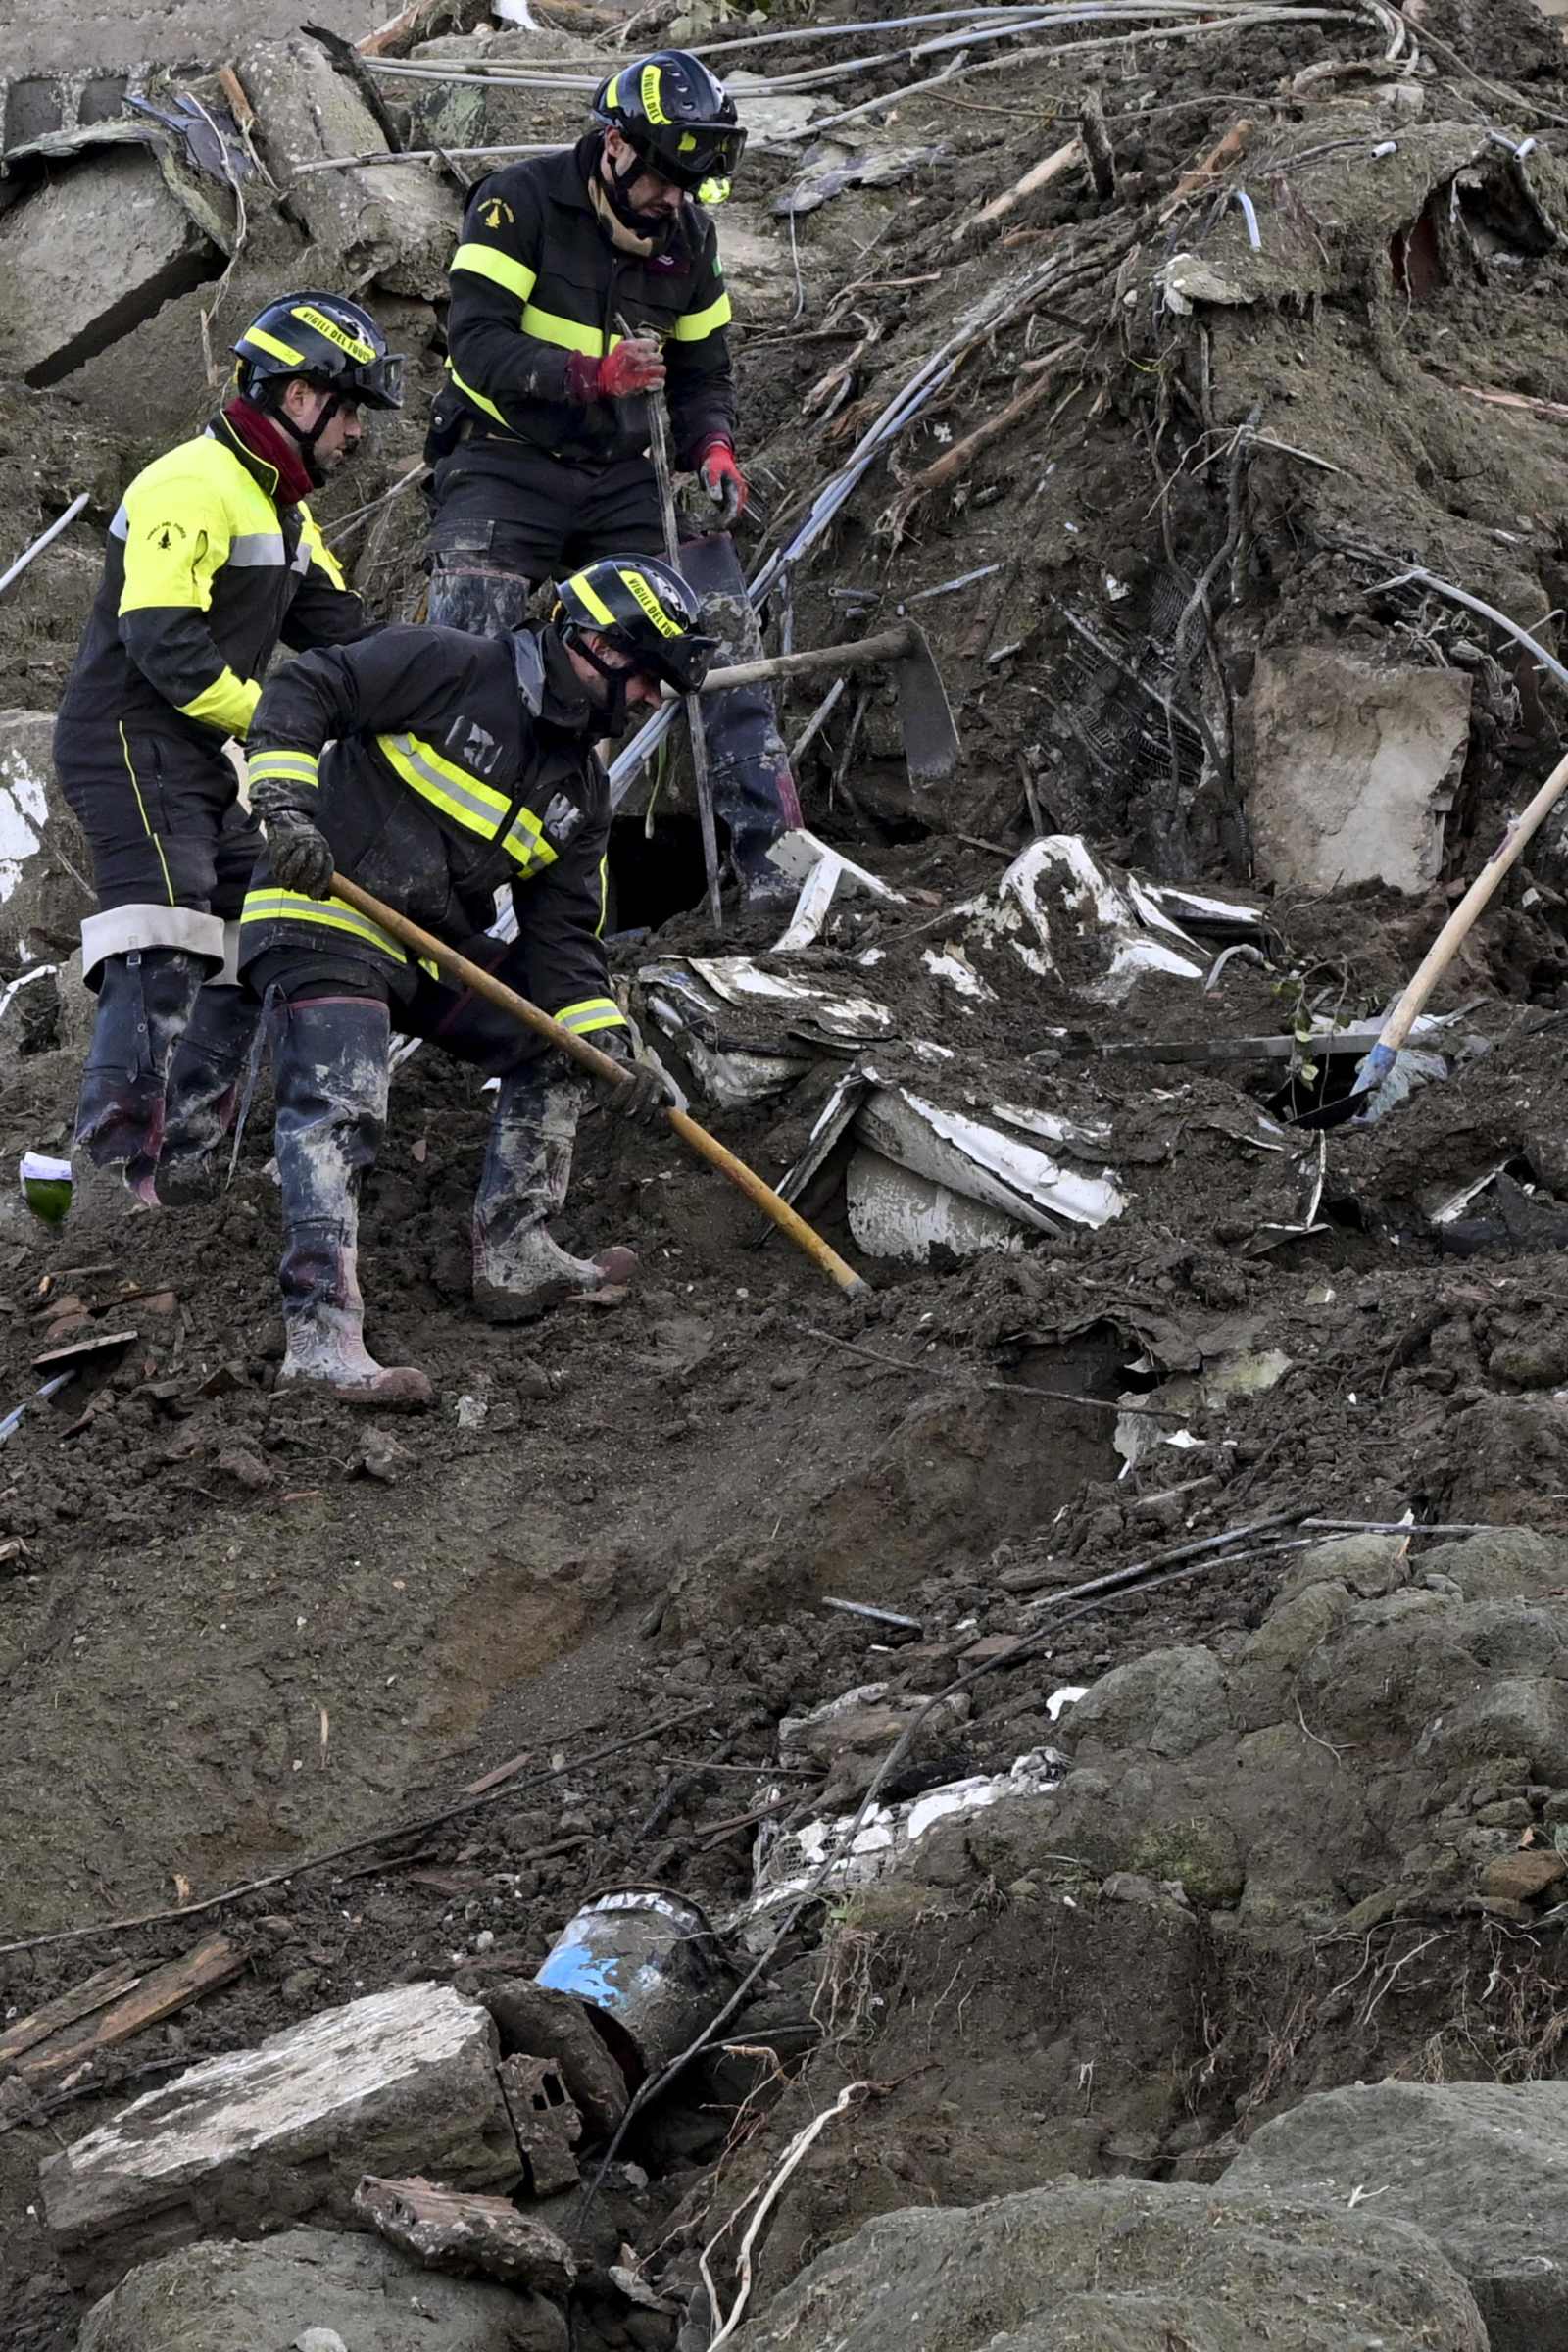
1126 2266
221 2297
1481 2168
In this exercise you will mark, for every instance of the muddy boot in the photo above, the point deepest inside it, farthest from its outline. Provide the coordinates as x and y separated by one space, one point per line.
330 1074
518 1271
203 1092
145 1001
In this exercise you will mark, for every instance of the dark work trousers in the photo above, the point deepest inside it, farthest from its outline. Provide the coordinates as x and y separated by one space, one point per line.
162 815
506 513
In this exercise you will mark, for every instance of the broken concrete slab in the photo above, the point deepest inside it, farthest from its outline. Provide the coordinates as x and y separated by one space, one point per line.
67 288
547 2123
1348 770
38 893
313 2286
1481 2168
398 2081
394 226
534 2022
455 2229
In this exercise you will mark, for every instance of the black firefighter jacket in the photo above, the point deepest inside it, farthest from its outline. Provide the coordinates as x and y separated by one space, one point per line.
203 573
456 763
537 278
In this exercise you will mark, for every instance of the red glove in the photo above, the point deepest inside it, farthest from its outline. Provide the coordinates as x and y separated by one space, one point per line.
721 477
636 366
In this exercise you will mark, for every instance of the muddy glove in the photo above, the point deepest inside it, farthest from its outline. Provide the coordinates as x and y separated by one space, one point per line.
635 366
721 477
646 1092
300 854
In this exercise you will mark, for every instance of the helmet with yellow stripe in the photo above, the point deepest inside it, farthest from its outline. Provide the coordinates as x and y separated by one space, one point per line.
642 609
678 118
327 339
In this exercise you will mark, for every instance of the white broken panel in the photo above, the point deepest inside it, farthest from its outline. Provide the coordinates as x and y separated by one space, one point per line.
898 1214
1058 890
981 1161
400 2082
747 1032
832 1851
1349 769
24 810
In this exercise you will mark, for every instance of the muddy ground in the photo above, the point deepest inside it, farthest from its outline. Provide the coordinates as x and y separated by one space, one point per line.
240 1630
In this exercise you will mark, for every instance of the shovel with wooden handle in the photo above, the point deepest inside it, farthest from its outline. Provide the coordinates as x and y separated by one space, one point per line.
603 1066
1438 957
925 719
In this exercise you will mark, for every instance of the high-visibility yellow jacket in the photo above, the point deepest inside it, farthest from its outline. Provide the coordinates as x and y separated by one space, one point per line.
537 278
203 573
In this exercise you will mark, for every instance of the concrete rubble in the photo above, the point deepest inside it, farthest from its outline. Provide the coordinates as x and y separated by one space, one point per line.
399 2082
452 2229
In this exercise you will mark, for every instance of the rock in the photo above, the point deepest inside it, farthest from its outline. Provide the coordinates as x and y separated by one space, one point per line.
1365 1565
1170 1700
1481 2168
381 1456
1126 2266
394 226
38 891
1515 1715
1349 769
246 1469
67 290
1537 1361
310 2288
398 2081
1520 1877
452 2229
534 2022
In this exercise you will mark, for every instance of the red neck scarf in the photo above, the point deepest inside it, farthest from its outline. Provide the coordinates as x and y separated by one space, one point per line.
266 439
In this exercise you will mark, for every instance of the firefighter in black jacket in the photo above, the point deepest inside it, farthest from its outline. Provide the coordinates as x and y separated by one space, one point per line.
213 557
539 439
457 764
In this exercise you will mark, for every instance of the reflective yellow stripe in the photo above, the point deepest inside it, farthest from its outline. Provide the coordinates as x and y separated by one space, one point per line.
293 767
526 843
604 896
483 261
292 906
272 347
697 325
142 806
594 1012
468 802
578 584
320 554
228 702
547 327
478 399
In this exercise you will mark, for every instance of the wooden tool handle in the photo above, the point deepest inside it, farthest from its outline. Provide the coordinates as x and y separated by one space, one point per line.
604 1066
1438 957
827 660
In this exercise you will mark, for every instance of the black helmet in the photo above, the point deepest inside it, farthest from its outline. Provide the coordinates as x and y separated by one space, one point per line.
328 341
643 608
678 118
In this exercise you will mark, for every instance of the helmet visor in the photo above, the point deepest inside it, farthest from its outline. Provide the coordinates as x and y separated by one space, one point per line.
690 157
381 385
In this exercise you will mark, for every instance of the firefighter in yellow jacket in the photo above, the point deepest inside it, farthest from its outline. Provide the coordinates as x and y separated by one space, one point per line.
212 557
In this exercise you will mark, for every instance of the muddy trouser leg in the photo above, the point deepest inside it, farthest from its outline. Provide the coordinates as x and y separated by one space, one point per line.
154 808
205 1080
145 1001
519 1270
754 789
500 516
331 1075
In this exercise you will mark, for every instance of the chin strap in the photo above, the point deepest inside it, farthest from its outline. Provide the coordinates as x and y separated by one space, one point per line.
656 226
305 442
613 712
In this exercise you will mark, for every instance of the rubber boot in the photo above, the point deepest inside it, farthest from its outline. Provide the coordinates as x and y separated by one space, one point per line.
330 1074
145 1001
201 1094
518 1271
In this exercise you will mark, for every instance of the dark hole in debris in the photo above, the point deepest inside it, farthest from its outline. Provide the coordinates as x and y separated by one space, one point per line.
654 878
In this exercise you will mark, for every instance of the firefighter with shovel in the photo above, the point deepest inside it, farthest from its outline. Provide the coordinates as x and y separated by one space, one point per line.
455 764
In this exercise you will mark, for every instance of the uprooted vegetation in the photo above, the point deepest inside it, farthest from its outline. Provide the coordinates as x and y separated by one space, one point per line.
1185 376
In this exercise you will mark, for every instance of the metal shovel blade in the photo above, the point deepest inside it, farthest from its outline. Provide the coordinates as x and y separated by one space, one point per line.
930 738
